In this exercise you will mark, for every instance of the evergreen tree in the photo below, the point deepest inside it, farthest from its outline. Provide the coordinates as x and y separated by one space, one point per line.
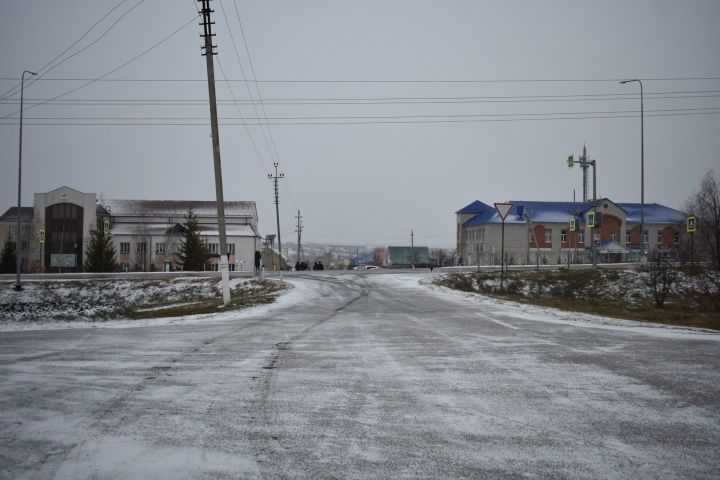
193 253
7 257
101 255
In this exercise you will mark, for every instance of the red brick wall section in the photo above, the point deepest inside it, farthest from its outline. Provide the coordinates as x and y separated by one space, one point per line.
668 237
635 235
539 231
611 224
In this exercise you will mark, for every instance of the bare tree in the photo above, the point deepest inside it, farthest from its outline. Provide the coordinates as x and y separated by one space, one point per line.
661 275
705 205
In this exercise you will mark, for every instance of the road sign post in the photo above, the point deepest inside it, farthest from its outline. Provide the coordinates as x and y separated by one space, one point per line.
503 209
691 228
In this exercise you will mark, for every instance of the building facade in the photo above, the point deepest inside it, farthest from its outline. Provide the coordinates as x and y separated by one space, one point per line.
147 234
541 232
8 230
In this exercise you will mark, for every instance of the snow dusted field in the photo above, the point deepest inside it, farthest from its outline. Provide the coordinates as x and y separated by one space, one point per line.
362 376
75 303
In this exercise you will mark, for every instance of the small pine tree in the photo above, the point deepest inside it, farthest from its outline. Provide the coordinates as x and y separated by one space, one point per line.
193 253
101 256
7 257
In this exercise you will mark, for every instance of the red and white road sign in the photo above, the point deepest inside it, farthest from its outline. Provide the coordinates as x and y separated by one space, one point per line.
503 209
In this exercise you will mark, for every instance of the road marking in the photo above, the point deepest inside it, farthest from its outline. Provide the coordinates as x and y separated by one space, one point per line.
497 321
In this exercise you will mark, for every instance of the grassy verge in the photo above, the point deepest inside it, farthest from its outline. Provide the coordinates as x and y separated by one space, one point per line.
257 292
98 300
618 294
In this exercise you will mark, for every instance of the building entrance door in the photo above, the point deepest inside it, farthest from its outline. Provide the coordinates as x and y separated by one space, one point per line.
64 238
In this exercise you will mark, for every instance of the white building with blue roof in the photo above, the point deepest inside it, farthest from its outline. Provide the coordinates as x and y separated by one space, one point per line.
540 232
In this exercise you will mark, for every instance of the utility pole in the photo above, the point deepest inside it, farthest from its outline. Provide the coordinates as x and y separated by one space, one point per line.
412 238
208 53
584 162
275 179
299 232
584 165
18 237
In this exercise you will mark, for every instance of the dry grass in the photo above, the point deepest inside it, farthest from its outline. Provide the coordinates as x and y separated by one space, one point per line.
619 294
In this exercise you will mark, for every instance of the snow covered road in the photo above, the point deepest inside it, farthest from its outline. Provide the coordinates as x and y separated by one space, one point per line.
362 376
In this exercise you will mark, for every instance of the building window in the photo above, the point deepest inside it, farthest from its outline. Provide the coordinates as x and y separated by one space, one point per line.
25 229
646 237
548 236
124 247
531 238
581 238
563 236
231 248
613 237
659 237
13 229
213 247
231 267
627 238
676 237
25 246
159 248
141 247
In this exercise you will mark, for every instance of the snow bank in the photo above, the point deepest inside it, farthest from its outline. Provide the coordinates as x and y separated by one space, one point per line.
523 311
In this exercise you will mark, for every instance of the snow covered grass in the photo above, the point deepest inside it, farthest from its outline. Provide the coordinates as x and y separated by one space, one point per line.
110 299
615 293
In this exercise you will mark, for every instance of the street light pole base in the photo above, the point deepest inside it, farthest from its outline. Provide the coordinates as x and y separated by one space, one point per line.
18 287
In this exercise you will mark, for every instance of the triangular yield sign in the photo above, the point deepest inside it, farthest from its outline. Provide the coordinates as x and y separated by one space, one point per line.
503 209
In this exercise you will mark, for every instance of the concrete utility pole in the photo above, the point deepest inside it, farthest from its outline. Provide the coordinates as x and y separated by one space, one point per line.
18 239
208 53
275 179
412 238
299 241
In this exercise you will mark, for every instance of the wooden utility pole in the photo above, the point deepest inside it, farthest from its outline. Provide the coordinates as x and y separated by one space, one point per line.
275 179
208 53
299 240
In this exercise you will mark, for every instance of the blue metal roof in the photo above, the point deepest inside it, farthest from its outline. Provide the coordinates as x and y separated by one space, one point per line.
654 213
560 212
475 207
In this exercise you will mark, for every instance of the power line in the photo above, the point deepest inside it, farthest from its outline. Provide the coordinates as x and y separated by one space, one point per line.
362 101
44 70
100 78
450 81
382 122
385 117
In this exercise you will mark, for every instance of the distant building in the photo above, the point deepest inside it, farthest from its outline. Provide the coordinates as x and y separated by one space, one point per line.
407 257
8 230
540 232
146 233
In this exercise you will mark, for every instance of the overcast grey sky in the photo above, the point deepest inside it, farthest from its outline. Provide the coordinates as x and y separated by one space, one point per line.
442 103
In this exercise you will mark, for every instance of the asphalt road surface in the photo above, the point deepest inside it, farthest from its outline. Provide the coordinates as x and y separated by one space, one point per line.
368 377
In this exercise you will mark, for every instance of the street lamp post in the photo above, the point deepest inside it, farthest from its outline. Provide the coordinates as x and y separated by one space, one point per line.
18 243
642 165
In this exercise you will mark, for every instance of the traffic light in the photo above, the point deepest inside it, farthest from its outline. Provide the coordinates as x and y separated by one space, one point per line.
571 161
573 224
590 219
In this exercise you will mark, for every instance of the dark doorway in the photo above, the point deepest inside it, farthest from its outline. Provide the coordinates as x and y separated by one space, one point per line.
64 238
